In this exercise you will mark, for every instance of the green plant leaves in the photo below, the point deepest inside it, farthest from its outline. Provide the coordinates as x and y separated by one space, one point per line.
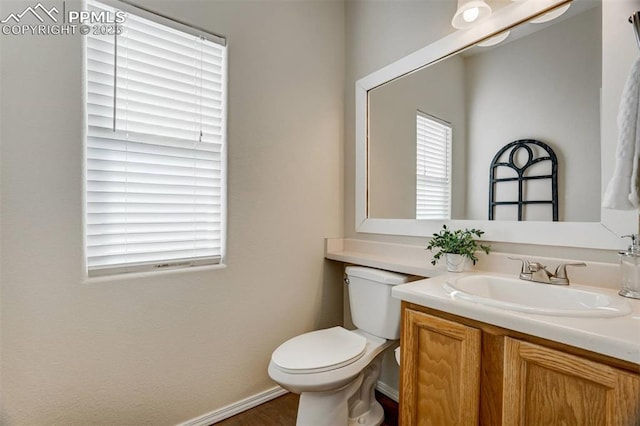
456 242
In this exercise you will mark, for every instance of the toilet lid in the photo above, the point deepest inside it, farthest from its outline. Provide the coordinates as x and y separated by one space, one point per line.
321 350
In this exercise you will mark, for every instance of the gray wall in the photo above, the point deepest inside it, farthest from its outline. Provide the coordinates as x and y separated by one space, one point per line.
377 34
552 95
168 348
438 91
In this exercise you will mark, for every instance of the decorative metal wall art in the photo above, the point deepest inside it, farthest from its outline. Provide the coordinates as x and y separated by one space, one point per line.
522 175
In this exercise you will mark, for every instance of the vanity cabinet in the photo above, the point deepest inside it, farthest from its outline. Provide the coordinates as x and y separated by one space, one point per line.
457 371
544 386
440 371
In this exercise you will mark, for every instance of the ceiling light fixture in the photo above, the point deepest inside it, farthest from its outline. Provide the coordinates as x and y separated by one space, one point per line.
468 12
549 16
492 41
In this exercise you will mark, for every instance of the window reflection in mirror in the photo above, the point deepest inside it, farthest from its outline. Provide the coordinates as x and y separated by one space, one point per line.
433 167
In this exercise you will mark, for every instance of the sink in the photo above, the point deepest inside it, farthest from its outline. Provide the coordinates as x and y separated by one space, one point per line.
545 299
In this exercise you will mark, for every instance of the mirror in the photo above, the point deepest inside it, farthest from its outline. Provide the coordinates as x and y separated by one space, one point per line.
543 82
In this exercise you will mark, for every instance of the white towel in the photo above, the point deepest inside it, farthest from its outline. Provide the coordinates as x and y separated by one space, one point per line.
623 191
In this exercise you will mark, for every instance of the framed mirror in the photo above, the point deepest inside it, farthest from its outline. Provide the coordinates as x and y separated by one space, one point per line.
544 81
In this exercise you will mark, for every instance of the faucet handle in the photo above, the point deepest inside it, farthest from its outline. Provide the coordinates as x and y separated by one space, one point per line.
560 276
526 265
544 275
536 266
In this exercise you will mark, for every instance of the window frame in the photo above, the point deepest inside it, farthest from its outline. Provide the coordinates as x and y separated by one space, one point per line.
445 185
181 264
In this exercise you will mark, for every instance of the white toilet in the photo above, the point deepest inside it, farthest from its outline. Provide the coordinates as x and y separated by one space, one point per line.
335 370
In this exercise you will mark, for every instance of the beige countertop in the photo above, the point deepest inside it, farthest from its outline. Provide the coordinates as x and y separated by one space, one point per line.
618 337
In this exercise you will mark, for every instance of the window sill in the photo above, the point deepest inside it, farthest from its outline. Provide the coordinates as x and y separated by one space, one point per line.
163 272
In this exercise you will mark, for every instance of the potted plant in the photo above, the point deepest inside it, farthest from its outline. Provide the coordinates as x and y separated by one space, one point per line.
457 246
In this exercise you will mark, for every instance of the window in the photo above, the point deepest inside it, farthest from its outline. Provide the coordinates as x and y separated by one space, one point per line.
433 167
155 145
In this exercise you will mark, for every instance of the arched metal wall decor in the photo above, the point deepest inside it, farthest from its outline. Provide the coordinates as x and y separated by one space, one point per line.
521 178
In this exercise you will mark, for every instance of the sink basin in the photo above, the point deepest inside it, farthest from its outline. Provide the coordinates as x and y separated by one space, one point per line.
525 296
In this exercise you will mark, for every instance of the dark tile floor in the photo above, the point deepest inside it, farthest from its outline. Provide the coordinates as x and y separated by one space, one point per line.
278 412
282 412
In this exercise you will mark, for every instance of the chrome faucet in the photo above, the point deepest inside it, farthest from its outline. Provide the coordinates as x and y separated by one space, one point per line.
535 271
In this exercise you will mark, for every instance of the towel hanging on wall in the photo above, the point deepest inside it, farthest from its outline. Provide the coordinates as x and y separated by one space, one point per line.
623 191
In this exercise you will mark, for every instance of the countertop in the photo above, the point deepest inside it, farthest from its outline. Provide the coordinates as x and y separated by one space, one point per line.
617 337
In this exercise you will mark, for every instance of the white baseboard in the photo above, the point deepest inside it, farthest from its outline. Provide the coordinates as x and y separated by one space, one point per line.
235 408
387 390
260 398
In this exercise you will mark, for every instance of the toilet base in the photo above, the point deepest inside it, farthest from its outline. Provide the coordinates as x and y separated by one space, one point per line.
329 408
351 405
373 417
364 409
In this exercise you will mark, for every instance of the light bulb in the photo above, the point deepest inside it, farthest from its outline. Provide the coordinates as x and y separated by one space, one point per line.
471 14
468 13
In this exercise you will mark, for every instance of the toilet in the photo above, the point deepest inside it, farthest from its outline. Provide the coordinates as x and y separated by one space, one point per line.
335 370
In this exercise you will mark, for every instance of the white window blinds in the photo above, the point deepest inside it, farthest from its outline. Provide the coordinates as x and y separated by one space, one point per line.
155 147
433 168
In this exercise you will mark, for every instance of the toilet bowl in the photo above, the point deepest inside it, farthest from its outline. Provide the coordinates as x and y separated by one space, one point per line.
334 367
344 364
335 370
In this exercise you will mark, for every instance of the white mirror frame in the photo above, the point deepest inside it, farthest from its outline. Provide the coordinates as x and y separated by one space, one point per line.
603 235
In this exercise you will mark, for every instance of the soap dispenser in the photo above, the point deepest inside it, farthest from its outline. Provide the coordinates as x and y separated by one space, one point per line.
630 268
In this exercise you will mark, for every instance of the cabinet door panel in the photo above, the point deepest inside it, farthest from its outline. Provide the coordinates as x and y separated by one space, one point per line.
545 386
440 371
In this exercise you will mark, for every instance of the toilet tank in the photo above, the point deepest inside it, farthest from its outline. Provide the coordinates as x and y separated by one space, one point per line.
373 310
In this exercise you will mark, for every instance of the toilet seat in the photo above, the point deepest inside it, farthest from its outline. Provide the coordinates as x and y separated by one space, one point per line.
319 351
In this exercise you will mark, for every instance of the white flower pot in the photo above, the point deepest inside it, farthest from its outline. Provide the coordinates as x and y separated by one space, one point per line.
455 262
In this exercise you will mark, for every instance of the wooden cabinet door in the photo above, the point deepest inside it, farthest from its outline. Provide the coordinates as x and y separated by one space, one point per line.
543 386
440 372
